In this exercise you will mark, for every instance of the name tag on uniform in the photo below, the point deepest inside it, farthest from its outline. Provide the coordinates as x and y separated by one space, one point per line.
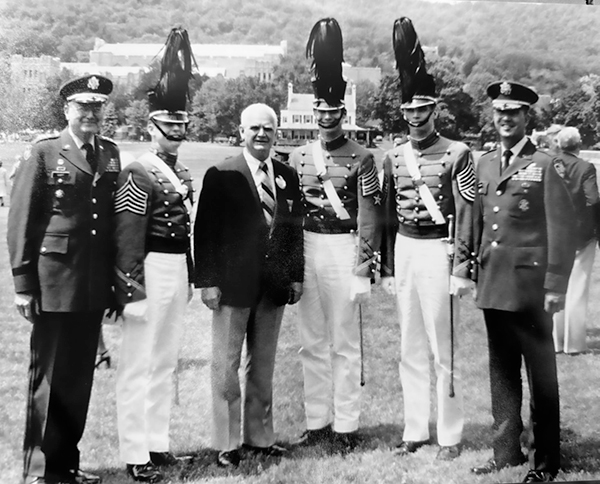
60 173
113 165
532 173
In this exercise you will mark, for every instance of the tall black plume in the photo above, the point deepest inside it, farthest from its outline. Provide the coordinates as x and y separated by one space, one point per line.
171 92
325 46
410 61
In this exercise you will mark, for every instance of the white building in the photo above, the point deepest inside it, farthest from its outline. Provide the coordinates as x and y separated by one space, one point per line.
229 60
298 125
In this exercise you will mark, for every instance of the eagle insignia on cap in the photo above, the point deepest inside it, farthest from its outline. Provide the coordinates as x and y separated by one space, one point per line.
505 88
93 83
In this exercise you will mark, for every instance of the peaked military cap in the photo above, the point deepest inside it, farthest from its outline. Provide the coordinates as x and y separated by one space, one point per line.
87 89
511 95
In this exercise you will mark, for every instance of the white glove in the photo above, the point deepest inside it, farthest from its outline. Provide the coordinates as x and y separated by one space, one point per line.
459 286
135 309
388 284
360 289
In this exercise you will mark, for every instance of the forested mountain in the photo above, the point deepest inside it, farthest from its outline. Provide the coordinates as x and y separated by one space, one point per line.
544 36
554 47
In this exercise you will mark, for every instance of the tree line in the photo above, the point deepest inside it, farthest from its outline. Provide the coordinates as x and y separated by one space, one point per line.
216 103
554 48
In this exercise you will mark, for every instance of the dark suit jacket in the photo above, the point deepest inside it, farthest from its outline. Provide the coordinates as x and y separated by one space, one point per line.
580 177
524 226
60 225
234 247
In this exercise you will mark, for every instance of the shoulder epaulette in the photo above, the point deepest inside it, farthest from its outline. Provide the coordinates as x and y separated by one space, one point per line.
110 140
44 137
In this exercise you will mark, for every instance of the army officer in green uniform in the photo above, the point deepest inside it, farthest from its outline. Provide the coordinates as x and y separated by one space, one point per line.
59 239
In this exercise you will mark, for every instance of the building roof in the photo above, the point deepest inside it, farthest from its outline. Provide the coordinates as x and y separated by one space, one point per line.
199 50
304 102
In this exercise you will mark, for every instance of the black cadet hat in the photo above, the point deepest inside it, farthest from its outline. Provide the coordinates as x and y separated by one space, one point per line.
325 47
511 95
167 101
418 87
88 89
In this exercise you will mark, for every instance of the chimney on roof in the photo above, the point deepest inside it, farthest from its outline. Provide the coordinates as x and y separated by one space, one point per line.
98 42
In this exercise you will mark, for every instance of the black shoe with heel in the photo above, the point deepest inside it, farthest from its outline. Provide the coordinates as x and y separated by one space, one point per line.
103 358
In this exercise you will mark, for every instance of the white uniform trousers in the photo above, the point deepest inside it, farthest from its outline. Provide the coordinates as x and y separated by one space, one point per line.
422 280
148 357
570 324
329 333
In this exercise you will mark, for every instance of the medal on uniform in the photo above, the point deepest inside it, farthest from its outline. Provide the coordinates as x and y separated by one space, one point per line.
523 205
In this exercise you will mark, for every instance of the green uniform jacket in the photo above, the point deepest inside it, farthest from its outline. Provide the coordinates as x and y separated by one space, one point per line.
524 231
60 225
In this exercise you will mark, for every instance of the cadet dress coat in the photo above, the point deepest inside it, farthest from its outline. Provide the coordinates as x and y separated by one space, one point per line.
60 245
524 225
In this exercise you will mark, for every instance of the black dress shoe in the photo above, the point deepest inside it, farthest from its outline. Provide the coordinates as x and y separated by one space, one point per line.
538 476
229 458
144 472
493 466
311 437
103 358
448 452
48 480
346 441
270 451
167 459
409 446
82 477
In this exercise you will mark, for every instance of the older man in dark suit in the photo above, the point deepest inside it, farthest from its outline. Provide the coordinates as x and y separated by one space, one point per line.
60 244
249 264
523 226
580 177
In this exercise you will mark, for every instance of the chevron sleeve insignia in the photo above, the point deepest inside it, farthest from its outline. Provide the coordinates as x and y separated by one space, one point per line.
131 198
370 182
466 181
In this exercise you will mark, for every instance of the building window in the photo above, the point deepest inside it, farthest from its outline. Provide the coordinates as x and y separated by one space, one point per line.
307 119
283 119
296 118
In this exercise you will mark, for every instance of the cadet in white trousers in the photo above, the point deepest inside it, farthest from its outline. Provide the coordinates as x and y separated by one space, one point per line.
153 202
342 231
431 180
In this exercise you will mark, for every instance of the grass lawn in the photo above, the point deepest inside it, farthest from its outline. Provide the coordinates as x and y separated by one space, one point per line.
381 419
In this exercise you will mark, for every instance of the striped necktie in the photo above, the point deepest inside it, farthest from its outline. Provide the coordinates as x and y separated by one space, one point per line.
267 196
